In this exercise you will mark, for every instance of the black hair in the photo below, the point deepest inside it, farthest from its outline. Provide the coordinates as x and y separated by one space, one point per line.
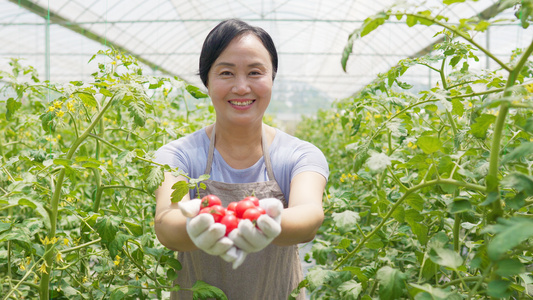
219 38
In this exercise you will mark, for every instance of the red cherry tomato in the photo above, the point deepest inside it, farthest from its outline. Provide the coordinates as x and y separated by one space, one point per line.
217 211
252 214
232 205
210 200
230 212
230 221
254 199
261 210
242 206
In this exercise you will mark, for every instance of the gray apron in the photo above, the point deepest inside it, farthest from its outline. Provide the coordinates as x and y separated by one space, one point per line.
269 274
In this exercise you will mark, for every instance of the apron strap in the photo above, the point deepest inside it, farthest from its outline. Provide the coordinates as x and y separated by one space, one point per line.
266 154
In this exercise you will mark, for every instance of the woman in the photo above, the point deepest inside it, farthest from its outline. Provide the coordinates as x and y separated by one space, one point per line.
242 155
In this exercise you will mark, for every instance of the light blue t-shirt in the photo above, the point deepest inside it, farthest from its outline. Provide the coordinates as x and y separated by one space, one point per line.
289 156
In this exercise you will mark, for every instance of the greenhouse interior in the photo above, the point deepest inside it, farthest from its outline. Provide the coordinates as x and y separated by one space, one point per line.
423 111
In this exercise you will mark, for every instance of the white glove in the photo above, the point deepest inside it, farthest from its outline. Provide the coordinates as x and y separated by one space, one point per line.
203 231
234 255
273 207
252 239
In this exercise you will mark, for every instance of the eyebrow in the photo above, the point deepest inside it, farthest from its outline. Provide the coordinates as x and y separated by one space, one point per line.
258 64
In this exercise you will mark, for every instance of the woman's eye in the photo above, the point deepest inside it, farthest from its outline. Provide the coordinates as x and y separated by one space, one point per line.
225 73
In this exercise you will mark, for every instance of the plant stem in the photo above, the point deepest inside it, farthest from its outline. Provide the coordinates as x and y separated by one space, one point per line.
399 202
497 210
81 246
54 204
461 34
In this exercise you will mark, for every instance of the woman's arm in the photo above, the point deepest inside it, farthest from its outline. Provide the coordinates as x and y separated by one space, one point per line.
170 223
302 219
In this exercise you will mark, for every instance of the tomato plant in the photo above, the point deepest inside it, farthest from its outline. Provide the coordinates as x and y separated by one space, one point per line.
430 194
77 181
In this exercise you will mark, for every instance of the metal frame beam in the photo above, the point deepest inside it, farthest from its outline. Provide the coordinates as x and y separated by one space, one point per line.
61 21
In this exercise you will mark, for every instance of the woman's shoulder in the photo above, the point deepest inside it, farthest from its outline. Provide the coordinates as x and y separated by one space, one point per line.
191 142
286 140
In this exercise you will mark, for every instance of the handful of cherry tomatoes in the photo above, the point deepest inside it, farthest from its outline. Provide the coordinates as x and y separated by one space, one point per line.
247 208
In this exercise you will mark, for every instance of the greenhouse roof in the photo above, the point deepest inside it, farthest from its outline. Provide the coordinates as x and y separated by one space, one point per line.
167 35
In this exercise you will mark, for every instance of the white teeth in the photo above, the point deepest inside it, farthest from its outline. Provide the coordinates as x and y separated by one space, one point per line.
240 103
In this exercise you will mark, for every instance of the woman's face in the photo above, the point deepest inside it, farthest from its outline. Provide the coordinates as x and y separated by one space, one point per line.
240 81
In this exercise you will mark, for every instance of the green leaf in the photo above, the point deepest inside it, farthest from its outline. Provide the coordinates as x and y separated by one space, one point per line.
373 22
415 201
459 205
519 152
421 231
173 263
391 283
374 242
519 181
202 290
318 277
458 108
509 234
47 121
510 267
12 106
483 122
499 289
433 293
429 144
136 229
446 257
180 189
350 290
107 228
87 99
321 253
448 2
195 92
137 111
115 247
117 294
155 178
346 220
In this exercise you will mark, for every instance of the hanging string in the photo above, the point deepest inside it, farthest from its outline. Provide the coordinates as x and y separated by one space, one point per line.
47 70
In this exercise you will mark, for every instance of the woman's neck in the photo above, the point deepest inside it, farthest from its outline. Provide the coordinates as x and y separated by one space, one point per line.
240 146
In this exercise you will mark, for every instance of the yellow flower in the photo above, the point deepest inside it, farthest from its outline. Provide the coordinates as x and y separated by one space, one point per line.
84 279
113 62
165 123
118 57
117 260
59 258
60 113
470 104
22 267
47 241
377 116
51 108
58 104
59 136
65 240
42 268
529 87
70 106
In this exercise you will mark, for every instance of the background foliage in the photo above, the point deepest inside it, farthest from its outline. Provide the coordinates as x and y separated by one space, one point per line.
77 181
431 194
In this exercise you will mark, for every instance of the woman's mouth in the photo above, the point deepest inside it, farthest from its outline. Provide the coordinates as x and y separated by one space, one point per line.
241 102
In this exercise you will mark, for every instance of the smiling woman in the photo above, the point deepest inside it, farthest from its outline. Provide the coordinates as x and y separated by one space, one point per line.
243 157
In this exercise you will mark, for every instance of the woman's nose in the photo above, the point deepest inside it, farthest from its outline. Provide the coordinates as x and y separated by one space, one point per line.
241 86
